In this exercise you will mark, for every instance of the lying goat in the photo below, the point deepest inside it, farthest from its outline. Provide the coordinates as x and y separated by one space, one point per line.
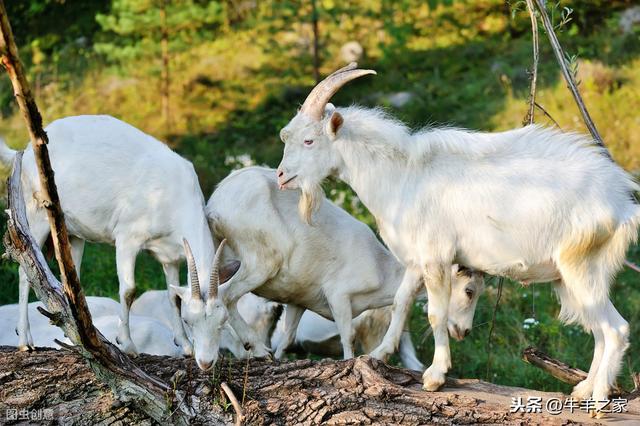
336 268
120 186
319 336
533 204
148 335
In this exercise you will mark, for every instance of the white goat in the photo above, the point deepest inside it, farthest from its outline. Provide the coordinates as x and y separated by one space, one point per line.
532 204
149 335
259 313
337 268
320 336
120 186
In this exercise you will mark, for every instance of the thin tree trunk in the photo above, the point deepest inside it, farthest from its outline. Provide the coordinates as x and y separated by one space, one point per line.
316 53
66 304
166 81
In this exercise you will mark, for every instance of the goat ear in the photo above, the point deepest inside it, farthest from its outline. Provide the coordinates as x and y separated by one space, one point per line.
284 134
229 270
329 109
177 291
334 124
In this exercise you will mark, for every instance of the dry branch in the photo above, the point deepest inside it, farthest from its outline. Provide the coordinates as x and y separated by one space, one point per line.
556 368
530 117
571 84
632 266
234 401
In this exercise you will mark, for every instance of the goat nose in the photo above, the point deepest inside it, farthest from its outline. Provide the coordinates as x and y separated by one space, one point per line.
205 365
280 173
466 332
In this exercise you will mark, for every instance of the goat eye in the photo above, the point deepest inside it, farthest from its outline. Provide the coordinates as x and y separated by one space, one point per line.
308 142
469 293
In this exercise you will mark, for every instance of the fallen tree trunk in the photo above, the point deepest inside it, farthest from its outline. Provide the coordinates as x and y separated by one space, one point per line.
356 391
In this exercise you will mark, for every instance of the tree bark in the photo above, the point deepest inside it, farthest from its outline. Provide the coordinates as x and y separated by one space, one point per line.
355 391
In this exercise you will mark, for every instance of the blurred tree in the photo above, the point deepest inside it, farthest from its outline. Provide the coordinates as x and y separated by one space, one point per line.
138 29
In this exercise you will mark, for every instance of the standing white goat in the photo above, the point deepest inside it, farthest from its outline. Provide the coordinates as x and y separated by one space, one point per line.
532 204
320 336
120 186
337 268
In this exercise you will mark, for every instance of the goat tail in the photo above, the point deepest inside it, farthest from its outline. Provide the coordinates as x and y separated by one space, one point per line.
6 154
587 274
623 237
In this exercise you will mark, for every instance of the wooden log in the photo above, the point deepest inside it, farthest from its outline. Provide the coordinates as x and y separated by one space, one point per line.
355 391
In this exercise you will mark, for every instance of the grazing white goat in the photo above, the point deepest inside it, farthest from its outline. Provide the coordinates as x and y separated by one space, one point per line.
120 186
533 204
337 268
259 313
149 335
320 336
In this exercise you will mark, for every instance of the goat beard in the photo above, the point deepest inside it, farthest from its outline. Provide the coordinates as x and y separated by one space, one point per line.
310 199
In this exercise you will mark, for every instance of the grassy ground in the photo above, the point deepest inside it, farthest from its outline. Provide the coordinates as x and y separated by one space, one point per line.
464 63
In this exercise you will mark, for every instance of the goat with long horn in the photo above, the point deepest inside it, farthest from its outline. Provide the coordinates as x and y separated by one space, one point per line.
533 204
203 316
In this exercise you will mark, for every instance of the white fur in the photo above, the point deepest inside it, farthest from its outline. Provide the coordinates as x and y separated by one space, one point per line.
533 204
336 268
259 313
120 186
320 336
149 335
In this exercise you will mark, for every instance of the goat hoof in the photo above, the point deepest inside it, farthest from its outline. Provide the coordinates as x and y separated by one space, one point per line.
582 391
379 353
127 347
188 350
433 379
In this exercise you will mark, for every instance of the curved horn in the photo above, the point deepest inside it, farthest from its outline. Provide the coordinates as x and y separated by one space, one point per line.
214 281
314 105
193 271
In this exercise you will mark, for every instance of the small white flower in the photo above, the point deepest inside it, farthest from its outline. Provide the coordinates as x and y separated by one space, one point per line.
529 323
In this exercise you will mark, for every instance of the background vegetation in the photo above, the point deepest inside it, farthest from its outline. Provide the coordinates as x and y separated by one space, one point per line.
239 70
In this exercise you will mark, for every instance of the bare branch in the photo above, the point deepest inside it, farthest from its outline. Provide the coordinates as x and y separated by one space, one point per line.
529 118
632 265
571 84
234 401
493 323
556 368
